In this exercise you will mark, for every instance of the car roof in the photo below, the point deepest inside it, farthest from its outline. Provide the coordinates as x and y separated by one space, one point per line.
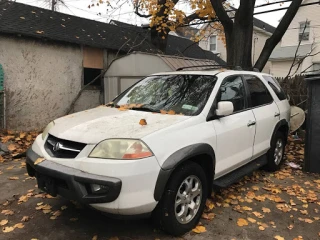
213 72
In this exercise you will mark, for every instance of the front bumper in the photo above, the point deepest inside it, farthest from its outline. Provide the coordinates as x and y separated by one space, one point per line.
71 183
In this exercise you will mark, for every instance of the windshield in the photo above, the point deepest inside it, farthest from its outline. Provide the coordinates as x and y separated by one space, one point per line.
173 94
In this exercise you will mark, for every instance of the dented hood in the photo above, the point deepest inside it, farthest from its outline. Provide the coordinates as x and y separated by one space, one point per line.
94 125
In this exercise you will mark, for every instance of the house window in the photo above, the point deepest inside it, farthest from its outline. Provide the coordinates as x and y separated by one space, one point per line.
316 68
213 43
92 67
304 31
91 73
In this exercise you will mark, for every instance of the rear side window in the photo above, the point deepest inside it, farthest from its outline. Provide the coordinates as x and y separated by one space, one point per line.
276 87
259 93
232 89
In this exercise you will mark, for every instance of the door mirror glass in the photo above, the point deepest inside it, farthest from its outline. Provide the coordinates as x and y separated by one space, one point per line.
224 108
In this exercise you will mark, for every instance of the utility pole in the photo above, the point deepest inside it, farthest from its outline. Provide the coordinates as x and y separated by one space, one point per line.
53 4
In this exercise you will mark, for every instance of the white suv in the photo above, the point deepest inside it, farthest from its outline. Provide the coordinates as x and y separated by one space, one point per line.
160 147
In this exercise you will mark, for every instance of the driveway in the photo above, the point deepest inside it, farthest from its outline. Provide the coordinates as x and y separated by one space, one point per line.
281 205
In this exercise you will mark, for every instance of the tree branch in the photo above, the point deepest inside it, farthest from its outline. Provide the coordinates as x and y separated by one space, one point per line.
278 34
222 14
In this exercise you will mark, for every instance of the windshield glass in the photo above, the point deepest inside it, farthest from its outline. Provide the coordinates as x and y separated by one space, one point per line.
173 94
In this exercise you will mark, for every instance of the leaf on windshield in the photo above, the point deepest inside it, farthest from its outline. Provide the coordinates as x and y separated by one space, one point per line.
143 122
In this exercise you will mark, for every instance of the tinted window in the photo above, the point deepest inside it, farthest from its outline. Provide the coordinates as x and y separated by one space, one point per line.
180 94
232 89
275 87
259 93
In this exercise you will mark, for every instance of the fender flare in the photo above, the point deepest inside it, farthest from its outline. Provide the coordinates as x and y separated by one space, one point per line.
281 123
178 158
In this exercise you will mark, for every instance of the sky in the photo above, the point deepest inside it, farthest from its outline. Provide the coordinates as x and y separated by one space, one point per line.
125 12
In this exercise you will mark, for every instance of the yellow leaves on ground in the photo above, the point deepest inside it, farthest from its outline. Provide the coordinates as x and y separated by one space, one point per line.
18 225
266 210
242 222
95 237
12 147
55 214
7 212
25 219
39 160
307 220
261 228
278 237
143 122
208 216
199 229
209 204
247 208
7 229
258 215
252 220
13 178
3 222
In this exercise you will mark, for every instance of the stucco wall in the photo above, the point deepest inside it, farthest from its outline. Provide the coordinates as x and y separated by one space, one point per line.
41 81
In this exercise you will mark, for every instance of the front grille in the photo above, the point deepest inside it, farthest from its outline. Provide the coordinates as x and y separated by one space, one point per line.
61 148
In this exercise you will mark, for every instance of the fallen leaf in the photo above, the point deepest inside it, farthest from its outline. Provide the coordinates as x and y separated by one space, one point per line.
261 228
247 208
12 147
252 220
278 237
266 210
13 178
290 226
7 229
209 204
307 220
171 112
199 229
9 168
258 215
7 212
64 207
3 222
25 219
39 160
242 222
304 212
114 238
143 122
18 225
95 237
255 188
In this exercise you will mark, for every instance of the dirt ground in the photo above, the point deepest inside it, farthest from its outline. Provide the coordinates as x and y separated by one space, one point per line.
281 205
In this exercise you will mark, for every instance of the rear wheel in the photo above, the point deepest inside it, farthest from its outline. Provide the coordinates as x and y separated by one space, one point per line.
276 152
183 202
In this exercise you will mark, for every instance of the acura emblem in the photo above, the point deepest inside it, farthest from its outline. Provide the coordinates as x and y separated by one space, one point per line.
57 146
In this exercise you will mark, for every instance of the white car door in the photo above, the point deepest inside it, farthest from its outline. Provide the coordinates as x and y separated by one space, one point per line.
266 113
234 133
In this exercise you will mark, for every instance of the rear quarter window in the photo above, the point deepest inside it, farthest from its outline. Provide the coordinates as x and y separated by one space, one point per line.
273 83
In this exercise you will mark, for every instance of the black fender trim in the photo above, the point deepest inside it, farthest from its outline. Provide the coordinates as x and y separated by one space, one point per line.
281 123
176 159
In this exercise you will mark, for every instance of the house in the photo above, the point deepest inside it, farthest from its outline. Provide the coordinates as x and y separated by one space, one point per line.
304 28
210 40
49 57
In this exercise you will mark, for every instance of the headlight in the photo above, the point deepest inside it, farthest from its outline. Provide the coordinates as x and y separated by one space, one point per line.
47 129
121 149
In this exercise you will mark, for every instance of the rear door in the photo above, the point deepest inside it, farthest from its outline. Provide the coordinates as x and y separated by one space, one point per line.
234 133
265 111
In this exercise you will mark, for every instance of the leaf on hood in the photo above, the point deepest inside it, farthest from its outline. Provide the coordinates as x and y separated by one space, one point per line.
3 222
242 222
7 212
143 122
7 229
39 160
199 229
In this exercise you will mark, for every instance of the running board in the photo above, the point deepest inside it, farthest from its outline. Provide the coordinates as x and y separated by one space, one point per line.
239 173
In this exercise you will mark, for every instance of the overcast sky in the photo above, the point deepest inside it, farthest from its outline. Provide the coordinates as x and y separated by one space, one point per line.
125 13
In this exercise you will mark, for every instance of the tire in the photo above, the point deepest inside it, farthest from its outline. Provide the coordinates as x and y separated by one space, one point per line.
166 215
276 152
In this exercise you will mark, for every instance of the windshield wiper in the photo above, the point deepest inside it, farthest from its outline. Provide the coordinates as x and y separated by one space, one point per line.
145 109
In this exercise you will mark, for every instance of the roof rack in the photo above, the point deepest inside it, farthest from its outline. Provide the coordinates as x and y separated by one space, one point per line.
212 66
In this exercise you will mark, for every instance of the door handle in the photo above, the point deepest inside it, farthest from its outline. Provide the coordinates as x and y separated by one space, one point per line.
276 114
251 123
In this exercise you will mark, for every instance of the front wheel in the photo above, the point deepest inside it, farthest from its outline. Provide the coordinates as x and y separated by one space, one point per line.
276 152
183 202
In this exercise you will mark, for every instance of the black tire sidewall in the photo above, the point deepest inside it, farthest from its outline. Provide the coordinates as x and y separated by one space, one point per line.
168 220
271 165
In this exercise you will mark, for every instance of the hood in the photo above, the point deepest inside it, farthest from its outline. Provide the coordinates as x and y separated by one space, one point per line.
94 125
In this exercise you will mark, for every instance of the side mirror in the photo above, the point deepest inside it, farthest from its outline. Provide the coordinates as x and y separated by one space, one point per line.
224 108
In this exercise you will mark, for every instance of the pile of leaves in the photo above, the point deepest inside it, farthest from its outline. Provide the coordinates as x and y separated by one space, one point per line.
15 144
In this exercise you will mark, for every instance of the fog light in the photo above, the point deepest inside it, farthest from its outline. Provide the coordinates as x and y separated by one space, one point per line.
99 189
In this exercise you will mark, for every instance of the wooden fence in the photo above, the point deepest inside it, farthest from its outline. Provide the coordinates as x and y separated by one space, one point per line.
296 88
